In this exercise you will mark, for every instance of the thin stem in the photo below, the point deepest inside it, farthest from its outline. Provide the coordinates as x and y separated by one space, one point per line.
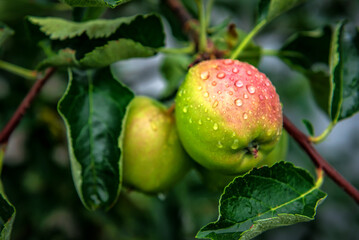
247 39
25 104
20 71
202 24
323 135
186 50
318 160
208 12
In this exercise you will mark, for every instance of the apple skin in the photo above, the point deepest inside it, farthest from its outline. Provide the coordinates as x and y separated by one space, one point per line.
216 181
229 116
153 156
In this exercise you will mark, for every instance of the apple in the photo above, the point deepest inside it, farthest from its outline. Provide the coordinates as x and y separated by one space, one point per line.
229 116
153 157
217 181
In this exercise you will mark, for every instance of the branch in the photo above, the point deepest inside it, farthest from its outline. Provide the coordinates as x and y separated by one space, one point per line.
318 160
25 104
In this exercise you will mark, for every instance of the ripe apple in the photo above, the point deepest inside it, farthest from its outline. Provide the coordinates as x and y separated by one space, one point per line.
217 181
153 157
228 115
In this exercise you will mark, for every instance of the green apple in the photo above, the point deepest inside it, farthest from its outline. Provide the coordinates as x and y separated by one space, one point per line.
153 157
229 116
217 181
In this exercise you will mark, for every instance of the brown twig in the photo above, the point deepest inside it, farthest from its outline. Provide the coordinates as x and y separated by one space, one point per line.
25 104
318 160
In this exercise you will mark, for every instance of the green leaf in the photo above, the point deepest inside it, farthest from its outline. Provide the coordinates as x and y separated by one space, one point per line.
95 3
263 199
5 32
336 73
7 210
270 9
64 58
114 51
146 29
350 58
174 69
93 108
308 126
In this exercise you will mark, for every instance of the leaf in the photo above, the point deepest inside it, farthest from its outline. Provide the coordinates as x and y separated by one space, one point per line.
308 126
146 29
350 58
173 69
5 32
7 210
336 70
270 9
96 3
263 199
64 58
93 109
114 51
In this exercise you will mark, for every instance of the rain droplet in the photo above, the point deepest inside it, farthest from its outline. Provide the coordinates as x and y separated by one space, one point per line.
185 109
153 126
214 83
238 102
200 122
228 61
245 116
230 93
190 120
235 144
206 94
238 84
219 145
199 88
215 104
215 127
219 92
180 93
245 95
249 73
261 97
205 110
235 70
221 75
205 75
251 89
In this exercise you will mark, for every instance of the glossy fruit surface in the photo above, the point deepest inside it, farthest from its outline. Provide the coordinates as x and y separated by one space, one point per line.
217 181
228 115
153 157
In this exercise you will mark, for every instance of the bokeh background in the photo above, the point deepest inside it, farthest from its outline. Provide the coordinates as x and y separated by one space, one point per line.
36 172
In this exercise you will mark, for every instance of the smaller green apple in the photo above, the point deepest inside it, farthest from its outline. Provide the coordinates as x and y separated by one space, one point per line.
153 157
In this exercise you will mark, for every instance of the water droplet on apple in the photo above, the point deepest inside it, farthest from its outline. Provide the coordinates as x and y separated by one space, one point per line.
230 93
249 73
190 120
251 89
219 144
219 92
245 116
205 75
221 75
214 83
238 84
206 94
185 109
261 97
228 61
215 104
215 127
200 122
199 88
238 102
235 70
235 144
245 95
